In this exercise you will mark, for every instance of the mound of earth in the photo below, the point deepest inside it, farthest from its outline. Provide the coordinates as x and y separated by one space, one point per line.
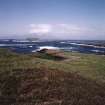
48 87
55 54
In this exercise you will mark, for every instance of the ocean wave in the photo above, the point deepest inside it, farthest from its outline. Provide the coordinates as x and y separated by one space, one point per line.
98 51
1 45
34 50
45 47
63 42
87 45
20 41
16 44
30 46
5 40
66 48
48 47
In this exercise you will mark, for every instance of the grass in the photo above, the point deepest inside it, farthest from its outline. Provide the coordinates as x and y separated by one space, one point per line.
48 87
86 65
38 79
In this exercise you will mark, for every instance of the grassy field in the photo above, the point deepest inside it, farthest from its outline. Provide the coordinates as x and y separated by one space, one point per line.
40 79
87 65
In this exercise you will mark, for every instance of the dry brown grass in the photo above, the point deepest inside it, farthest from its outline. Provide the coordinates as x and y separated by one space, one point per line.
48 87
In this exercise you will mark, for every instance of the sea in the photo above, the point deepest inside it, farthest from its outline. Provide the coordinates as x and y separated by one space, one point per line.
82 46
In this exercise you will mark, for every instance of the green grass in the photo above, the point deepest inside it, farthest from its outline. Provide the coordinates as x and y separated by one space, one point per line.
29 79
87 65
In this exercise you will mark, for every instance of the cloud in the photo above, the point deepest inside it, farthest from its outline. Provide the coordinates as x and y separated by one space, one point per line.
67 31
40 28
54 28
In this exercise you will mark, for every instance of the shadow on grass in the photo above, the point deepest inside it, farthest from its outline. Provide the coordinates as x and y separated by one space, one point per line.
50 57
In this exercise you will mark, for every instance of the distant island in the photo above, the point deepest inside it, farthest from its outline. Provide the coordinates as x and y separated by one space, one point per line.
32 39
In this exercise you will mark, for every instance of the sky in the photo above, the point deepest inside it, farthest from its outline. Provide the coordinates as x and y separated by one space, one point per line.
53 19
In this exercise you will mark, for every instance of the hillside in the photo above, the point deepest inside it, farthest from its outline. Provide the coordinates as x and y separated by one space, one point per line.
49 87
41 79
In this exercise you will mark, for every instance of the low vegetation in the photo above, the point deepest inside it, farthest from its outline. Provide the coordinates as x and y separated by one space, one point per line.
40 79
